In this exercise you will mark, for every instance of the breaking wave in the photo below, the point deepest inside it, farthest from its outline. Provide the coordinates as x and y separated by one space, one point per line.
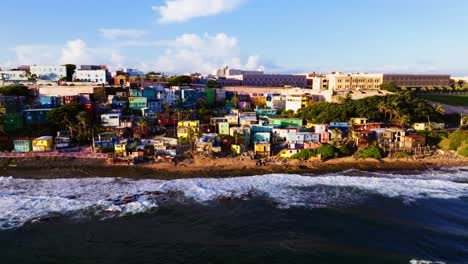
25 200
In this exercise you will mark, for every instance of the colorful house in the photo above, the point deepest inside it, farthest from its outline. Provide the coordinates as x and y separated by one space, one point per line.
261 137
223 128
137 102
110 120
285 122
42 144
23 144
288 153
324 137
120 148
184 128
319 128
236 149
262 150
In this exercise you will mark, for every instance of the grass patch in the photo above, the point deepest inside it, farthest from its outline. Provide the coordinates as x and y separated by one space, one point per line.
455 100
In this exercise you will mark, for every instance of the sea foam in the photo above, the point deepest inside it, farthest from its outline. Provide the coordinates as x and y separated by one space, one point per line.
25 200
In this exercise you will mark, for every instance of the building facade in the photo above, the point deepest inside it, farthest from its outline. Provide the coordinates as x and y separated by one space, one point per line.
417 80
94 76
274 80
13 76
49 73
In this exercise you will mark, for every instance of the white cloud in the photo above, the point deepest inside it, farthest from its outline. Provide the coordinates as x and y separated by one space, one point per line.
194 53
74 51
115 33
35 54
183 10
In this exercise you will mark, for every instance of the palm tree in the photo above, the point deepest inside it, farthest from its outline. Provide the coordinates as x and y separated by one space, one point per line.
439 109
236 100
142 129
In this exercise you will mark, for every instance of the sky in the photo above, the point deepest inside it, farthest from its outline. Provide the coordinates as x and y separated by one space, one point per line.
277 36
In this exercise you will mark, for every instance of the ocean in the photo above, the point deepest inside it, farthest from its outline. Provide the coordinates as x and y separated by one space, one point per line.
347 217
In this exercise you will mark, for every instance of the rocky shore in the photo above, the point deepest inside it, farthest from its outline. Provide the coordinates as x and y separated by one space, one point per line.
46 168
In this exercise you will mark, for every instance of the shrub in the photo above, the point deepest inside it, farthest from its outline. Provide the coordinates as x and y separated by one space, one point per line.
463 151
305 154
370 152
401 154
346 150
327 152
444 144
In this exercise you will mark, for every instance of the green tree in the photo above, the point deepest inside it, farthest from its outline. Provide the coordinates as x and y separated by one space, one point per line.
236 100
389 86
142 130
180 80
212 84
439 109
65 117
70 70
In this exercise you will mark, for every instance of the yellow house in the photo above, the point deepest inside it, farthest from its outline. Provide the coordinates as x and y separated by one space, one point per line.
120 147
236 149
44 143
288 153
192 123
358 121
184 128
262 150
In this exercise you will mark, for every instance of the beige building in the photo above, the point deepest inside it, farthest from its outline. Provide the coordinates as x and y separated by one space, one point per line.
339 81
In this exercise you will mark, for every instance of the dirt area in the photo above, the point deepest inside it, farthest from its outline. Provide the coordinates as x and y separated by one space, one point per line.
205 167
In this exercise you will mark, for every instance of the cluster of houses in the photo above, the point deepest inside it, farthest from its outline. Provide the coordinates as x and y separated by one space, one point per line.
261 131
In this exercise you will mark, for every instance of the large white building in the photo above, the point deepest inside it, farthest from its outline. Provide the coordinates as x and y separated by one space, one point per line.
234 73
94 76
13 76
49 73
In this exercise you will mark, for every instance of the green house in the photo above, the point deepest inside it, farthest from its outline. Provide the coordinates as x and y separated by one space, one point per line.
223 128
285 122
137 102
23 144
13 122
210 95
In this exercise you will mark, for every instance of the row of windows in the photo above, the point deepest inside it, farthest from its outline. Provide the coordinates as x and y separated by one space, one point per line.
358 86
360 80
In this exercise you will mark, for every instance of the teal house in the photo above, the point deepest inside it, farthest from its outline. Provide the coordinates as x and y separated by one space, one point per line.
23 145
138 102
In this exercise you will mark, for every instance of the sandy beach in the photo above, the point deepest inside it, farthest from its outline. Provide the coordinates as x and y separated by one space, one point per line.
205 167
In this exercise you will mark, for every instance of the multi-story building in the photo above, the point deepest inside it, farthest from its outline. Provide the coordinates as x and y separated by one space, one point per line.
339 81
13 76
49 73
417 80
94 76
274 80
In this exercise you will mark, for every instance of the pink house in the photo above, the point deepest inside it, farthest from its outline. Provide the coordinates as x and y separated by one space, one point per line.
324 137
311 145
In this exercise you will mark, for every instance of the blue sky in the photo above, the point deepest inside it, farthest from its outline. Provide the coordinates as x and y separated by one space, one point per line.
180 36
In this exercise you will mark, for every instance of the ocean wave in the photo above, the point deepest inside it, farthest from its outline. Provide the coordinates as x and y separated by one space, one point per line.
25 200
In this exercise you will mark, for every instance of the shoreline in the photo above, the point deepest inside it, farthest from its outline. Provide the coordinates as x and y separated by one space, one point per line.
46 168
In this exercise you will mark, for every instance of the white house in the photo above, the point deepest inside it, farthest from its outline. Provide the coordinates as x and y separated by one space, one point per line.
13 76
110 120
293 102
49 73
301 137
94 76
168 97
